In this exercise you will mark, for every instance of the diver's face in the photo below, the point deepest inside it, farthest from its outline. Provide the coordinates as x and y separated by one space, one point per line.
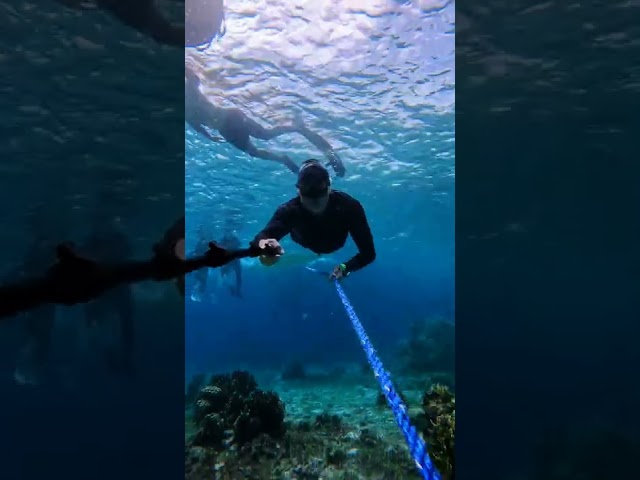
315 204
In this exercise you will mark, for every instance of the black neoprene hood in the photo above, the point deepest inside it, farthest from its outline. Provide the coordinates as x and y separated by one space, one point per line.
313 179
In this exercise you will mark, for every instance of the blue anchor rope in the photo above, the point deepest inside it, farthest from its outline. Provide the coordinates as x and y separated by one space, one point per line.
417 446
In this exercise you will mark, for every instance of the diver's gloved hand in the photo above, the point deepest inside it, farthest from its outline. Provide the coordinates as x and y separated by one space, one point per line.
217 256
74 278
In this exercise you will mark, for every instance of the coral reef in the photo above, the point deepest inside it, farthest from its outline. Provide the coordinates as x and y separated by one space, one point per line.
430 348
232 408
193 388
437 424
239 434
324 449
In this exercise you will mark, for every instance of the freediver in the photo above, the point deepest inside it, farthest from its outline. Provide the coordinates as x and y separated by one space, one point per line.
319 219
232 124
238 129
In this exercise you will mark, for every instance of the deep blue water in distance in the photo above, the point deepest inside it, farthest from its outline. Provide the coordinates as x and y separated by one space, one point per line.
84 100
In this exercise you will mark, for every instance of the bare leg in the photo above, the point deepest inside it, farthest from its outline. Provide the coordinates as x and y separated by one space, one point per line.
258 131
275 157
201 130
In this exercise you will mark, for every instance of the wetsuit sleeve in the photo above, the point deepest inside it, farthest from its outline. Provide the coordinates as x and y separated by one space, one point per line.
362 237
278 227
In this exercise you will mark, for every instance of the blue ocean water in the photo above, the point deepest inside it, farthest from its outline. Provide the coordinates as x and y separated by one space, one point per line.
377 81
86 128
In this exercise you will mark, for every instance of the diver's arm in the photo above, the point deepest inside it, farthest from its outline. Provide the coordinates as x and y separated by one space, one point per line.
278 227
21 297
362 237
155 269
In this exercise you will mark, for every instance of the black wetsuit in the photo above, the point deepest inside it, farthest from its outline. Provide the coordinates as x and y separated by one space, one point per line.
327 232
77 279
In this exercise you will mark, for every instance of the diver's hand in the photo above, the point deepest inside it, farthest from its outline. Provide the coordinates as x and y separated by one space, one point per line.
217 256
271 251
339 272
339 169
336 163
271 247
74 278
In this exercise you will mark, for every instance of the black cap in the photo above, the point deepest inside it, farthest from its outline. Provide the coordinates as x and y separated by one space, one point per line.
313 179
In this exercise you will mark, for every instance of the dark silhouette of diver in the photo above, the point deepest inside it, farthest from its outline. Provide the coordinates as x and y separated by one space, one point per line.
230 242
115 308
200 276
234 126
39 322
75 278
